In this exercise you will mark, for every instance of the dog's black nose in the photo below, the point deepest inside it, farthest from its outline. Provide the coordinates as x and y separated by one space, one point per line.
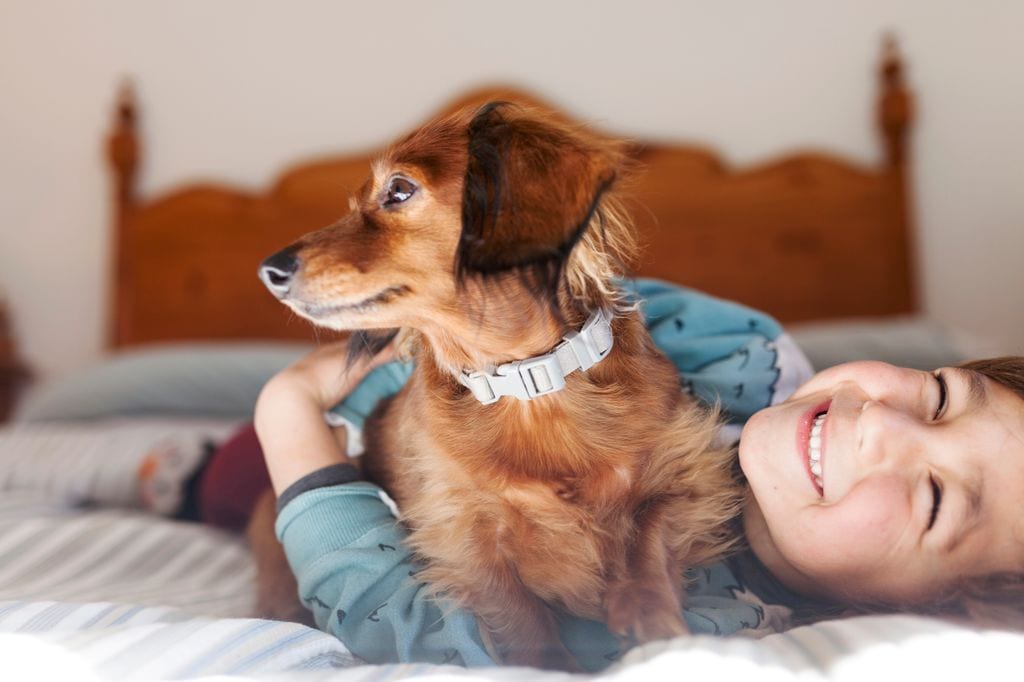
278 270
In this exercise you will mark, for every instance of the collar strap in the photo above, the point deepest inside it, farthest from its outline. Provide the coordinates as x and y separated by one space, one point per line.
544 374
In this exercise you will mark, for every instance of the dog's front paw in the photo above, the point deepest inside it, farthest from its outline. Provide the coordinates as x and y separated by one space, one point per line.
637 615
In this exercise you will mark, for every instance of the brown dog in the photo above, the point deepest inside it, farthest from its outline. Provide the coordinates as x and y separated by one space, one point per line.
487 237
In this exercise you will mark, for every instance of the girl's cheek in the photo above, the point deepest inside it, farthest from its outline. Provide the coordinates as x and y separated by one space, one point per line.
852 535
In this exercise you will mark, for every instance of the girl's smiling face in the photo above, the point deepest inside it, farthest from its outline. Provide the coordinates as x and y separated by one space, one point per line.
920 484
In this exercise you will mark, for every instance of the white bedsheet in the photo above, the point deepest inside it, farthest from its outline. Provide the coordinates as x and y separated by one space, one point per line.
114 594
48 640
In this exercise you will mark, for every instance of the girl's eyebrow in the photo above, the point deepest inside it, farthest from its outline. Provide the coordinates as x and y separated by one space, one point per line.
977 394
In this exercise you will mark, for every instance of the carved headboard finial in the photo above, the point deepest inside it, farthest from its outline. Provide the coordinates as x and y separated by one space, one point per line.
895 117
896 104
123 153
123 146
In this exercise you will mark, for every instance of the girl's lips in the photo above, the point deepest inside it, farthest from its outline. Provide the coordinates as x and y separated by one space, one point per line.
803 440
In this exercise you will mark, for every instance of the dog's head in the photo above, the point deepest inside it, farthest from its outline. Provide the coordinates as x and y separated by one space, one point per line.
479 223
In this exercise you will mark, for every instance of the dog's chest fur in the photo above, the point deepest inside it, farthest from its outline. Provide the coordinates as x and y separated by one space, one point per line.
541 484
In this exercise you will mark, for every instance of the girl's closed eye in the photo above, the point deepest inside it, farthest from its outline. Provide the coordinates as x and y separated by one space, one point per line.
936 501
940 409
943 396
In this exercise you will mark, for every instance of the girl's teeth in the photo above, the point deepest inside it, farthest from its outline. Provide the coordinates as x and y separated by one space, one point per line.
814 448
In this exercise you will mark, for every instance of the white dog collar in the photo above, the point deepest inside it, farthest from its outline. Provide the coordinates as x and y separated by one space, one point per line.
544 374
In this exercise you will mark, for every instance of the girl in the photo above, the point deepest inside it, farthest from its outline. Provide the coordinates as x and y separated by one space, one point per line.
872 486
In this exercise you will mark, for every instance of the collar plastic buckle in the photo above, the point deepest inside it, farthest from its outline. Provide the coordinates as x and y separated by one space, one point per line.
544 374
537 376
522 379
479 383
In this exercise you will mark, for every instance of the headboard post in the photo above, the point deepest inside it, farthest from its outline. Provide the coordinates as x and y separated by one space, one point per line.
123 155
896 105
895 118
123 147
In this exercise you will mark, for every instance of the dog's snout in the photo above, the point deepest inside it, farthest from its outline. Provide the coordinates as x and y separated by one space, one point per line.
278 271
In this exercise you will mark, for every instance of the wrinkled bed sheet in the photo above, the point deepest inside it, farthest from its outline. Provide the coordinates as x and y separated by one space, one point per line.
96 591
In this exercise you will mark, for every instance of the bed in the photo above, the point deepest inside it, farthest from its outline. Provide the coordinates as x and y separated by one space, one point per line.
94 587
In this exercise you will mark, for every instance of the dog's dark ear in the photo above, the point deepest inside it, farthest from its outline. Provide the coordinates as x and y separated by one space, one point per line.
532 185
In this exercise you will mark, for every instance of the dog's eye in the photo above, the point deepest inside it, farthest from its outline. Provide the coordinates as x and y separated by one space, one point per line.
399 189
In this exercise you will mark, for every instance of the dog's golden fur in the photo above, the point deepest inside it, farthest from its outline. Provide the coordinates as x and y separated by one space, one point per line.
502 232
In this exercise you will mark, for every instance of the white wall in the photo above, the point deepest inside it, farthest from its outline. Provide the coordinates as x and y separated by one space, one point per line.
234 89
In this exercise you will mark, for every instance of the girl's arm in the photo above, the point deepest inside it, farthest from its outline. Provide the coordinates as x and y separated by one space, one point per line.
344 546
727 354
289 416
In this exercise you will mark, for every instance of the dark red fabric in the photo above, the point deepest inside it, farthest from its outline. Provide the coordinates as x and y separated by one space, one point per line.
233 480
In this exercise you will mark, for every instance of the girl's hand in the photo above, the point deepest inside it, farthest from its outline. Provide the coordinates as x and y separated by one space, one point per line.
289 416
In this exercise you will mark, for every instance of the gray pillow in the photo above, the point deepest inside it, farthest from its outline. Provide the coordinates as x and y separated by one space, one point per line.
201 379
913 342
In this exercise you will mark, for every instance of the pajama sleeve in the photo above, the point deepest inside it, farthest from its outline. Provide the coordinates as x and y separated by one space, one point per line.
357 577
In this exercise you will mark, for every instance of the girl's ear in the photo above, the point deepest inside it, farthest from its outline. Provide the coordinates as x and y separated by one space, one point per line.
531 188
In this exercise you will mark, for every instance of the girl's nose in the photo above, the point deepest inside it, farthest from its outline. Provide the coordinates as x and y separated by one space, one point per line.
887 436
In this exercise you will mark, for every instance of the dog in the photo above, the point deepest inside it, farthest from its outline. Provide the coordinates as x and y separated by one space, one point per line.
542 454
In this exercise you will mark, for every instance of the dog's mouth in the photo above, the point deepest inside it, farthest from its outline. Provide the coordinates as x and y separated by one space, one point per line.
317 311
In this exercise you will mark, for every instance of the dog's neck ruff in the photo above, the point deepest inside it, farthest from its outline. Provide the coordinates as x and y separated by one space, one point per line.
544 374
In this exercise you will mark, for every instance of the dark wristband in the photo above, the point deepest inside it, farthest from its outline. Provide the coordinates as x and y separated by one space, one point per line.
335 474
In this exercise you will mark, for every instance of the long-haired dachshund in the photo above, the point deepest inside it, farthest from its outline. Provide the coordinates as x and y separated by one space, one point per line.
542 454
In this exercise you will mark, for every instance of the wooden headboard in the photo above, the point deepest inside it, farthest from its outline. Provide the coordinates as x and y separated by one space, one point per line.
808 236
